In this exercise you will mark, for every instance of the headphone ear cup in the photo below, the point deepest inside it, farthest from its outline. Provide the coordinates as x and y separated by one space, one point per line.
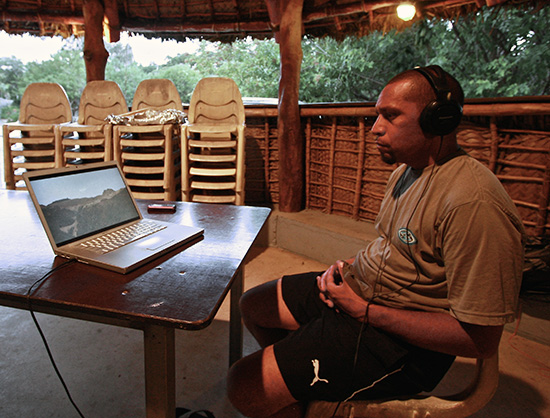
441 117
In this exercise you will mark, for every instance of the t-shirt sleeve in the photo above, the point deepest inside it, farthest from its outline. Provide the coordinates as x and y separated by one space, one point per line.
483 256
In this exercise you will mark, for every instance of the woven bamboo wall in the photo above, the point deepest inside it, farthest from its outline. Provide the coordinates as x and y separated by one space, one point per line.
520 157
344 173
345 176
262 160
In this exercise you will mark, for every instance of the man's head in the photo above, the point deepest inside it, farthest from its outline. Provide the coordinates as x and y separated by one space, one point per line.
402 105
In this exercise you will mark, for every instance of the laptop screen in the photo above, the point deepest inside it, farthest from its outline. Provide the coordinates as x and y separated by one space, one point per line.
80 203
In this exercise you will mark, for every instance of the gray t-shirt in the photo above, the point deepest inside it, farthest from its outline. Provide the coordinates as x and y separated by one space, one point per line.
450 239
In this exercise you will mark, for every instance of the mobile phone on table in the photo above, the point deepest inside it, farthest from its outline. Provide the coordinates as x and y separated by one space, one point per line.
161 207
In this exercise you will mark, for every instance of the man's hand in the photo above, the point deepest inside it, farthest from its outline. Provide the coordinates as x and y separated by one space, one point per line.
336 293
437 331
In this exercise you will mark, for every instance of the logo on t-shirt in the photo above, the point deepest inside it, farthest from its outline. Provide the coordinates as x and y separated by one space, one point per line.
406 236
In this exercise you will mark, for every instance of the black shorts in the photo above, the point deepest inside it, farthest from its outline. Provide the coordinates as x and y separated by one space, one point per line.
319 360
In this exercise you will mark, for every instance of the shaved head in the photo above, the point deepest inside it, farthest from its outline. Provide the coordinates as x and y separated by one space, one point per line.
420 89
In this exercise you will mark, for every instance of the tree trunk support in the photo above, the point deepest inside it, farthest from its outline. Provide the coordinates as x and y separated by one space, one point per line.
111 20
286 16
95 54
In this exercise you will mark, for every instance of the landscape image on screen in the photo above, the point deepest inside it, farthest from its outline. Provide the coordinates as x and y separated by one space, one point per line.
69 219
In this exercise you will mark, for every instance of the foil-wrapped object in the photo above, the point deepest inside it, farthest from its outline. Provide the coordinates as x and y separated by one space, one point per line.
147 117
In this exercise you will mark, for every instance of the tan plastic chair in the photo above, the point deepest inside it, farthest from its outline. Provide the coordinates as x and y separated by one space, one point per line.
43 107
213 144
463 404
90 139
150 154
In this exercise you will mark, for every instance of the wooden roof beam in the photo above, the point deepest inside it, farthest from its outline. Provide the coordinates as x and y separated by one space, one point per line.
185 27
66 19
352 8
371 6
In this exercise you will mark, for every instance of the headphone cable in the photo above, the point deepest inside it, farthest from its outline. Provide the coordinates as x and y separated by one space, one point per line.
381 265
30 291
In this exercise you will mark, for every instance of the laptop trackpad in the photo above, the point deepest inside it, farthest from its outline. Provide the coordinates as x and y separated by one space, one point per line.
155 243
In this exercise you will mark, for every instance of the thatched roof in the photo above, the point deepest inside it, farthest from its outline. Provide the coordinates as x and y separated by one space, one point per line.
227 19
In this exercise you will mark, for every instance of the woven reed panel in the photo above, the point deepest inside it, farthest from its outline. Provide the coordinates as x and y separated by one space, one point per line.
331 166
477 141
523 167
262 160
344 174
374 177
520 158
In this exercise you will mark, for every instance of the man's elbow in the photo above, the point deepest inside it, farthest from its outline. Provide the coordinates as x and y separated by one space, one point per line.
485 339
486 352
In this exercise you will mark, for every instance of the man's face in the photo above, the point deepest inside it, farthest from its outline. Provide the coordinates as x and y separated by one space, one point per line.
399 136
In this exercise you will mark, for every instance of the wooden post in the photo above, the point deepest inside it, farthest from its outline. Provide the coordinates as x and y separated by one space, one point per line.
287 15
160 374
95 54
112 20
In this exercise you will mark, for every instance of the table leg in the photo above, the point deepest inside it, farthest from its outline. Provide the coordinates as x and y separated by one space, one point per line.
235 321
160 373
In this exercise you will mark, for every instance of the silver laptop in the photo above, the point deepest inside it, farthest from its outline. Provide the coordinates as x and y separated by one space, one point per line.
89 214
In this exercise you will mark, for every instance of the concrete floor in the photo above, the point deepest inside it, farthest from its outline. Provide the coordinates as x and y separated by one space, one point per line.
103 365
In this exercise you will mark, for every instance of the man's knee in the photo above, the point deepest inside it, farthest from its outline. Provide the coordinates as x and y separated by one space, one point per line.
244 386
236 378
238 386
259 302
255 386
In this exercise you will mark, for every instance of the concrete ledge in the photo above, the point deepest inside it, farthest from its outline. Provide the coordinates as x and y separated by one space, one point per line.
316 235
534 322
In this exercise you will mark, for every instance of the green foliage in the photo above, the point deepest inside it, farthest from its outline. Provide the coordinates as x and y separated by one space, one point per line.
11 86
11 72
122 69
498 51
66 67
355 69
10 113
257 68
253 64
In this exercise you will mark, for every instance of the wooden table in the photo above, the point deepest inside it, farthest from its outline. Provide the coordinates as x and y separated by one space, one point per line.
182 290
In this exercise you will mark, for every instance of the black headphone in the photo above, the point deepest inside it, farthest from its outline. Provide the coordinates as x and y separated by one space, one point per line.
441 116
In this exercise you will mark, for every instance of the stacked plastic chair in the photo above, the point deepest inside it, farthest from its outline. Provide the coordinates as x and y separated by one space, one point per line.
90 139
30 143
149 153
213 144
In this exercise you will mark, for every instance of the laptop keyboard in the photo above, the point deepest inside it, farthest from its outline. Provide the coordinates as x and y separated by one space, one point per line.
123 236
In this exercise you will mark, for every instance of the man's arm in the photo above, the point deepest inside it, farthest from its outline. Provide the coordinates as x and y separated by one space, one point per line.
436 331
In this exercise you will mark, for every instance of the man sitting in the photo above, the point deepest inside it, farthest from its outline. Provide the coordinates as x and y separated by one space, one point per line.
440 281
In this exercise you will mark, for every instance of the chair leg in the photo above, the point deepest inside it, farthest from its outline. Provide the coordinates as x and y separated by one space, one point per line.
8 160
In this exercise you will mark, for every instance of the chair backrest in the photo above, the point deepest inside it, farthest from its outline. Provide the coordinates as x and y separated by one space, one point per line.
159 94
44 103
216 100
99 99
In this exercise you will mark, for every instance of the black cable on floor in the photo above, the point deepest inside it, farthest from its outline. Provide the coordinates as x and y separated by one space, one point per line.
38 283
